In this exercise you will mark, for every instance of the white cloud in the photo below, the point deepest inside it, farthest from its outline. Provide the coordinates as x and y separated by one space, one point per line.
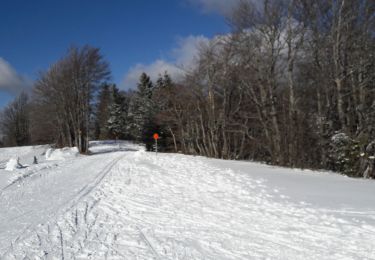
187 49
153 70
182 58
10 80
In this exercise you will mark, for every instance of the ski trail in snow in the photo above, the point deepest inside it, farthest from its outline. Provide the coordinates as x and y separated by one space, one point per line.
180 207
99 178
148 242
9 195
27 174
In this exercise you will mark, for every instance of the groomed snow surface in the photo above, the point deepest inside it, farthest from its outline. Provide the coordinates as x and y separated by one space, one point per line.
125 203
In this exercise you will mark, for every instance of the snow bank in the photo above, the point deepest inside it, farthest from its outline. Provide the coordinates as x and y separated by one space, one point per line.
24 153
61 154
106 146
13 164
139 154
26 157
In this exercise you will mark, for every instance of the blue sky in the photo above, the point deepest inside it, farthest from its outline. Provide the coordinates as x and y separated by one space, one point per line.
133 36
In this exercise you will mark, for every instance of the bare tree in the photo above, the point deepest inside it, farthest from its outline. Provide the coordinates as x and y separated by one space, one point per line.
15 122
67 88
290 76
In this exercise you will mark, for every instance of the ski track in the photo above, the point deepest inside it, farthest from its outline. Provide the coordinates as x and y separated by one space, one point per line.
39 196
142 206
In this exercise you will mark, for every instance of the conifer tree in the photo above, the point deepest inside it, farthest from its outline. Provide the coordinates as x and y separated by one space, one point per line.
141 108
116 123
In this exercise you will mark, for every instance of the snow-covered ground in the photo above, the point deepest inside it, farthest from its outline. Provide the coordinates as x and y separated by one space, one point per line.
124 203
25 154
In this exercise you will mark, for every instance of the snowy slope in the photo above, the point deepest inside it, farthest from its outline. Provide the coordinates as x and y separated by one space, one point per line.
127 204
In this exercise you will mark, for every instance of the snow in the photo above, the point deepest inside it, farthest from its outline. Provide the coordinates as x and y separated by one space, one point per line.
108 146
125 203
12 164
26 156
25 153
61 154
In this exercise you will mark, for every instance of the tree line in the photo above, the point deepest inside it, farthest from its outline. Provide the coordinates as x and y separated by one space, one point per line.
291 85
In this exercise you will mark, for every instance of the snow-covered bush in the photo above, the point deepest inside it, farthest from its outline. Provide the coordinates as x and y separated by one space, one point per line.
344 154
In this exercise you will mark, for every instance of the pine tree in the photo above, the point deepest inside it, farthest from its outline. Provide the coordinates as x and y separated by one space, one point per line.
344 154
141 108
116 123
163 94
145 86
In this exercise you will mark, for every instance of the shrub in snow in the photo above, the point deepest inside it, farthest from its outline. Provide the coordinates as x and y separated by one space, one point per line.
344 154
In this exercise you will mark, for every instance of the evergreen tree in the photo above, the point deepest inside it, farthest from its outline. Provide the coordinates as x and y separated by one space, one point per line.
164 81
141 108
116 123
344 154
145 86
164 92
